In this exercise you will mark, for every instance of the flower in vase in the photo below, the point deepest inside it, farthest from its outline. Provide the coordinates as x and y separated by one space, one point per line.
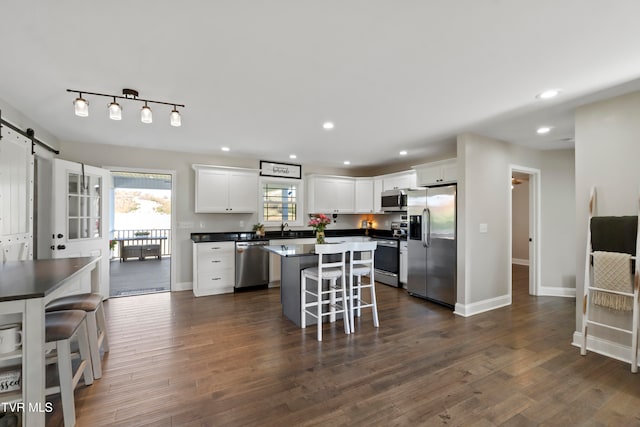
319 222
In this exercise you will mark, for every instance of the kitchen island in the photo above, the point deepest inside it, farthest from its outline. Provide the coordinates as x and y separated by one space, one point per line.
293 259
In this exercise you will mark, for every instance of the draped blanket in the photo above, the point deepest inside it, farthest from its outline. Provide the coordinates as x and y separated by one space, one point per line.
612 271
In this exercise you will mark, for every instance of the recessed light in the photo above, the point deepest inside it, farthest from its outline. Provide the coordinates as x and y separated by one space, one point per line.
327 125
403 153
347 162
293 156
544 129
225 149
548 94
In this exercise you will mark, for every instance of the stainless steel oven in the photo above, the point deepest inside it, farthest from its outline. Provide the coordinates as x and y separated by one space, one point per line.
387 261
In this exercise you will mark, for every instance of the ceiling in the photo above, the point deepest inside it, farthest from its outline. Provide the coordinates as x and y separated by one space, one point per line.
261 77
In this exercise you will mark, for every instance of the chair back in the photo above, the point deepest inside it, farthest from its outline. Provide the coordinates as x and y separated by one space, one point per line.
324 252
366 251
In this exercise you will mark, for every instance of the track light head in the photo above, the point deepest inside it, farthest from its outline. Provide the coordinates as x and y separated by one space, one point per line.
174 118
145 114
81 106
115 111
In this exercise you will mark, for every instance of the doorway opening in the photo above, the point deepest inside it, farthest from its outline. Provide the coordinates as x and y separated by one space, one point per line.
524 230
141 232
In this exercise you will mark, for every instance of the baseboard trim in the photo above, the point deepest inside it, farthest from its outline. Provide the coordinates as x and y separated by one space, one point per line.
182 286
519 261
466 310
604 347
553 291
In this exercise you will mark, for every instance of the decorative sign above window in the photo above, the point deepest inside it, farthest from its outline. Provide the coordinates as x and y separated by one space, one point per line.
281 170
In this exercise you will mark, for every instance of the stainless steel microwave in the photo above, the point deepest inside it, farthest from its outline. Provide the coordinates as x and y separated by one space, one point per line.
394 201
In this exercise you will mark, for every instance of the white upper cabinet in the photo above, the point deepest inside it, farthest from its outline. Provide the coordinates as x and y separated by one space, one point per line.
365 200
330 194
399 180
226 190
442 172
377 195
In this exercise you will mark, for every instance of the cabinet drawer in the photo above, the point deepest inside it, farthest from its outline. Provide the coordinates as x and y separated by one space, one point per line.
215 264
218 282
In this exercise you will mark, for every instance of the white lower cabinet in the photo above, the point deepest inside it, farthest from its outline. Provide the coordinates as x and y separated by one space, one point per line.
214 269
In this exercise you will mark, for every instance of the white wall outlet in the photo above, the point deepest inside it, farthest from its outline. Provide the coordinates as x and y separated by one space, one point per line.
241 224
484 228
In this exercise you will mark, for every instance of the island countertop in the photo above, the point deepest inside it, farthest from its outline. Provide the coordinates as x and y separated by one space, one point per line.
36 279
291 250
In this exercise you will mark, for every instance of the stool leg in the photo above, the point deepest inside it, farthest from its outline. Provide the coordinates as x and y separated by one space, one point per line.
94 344
359 296
351 302
303 300
345 306
374 303
65 377
332 300
319 308
85 352
102 325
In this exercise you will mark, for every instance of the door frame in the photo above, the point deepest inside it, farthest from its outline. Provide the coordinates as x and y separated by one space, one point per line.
535 229
173 174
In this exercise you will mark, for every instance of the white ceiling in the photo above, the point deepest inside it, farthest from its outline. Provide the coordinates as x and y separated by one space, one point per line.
262 76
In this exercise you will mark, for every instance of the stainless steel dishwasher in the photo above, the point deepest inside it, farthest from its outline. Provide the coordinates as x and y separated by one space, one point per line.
252 264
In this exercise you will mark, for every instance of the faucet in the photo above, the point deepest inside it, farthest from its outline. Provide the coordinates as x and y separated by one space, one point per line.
282 227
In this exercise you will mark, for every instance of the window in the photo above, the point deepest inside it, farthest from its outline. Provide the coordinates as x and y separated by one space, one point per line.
281 202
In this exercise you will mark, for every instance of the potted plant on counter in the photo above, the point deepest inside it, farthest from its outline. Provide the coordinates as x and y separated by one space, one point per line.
258 229
319 222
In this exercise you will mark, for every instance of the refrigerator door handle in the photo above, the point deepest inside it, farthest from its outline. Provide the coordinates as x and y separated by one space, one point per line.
424 228
428 227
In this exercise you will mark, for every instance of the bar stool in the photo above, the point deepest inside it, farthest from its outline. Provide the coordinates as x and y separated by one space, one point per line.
331 271
96 323
363 266
60 328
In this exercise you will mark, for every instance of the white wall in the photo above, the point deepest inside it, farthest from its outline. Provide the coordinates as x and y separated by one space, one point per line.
484 185
607 154
520 222
559 222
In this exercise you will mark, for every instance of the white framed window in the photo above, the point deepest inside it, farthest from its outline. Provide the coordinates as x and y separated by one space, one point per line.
281 201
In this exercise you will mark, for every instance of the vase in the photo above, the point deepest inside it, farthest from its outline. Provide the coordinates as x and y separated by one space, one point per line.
320 237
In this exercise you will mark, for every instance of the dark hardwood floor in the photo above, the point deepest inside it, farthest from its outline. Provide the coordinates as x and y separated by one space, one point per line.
233 360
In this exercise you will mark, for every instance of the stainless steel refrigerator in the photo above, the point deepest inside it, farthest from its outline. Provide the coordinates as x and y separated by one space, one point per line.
432 244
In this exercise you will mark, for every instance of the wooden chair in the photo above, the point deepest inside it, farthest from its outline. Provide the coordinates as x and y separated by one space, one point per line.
613 246
332 268
361 256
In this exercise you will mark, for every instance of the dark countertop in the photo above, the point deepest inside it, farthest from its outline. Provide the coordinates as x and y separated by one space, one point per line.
291 250
35 279
236 236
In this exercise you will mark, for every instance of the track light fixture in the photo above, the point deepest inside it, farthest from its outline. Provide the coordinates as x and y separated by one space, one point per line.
81 106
